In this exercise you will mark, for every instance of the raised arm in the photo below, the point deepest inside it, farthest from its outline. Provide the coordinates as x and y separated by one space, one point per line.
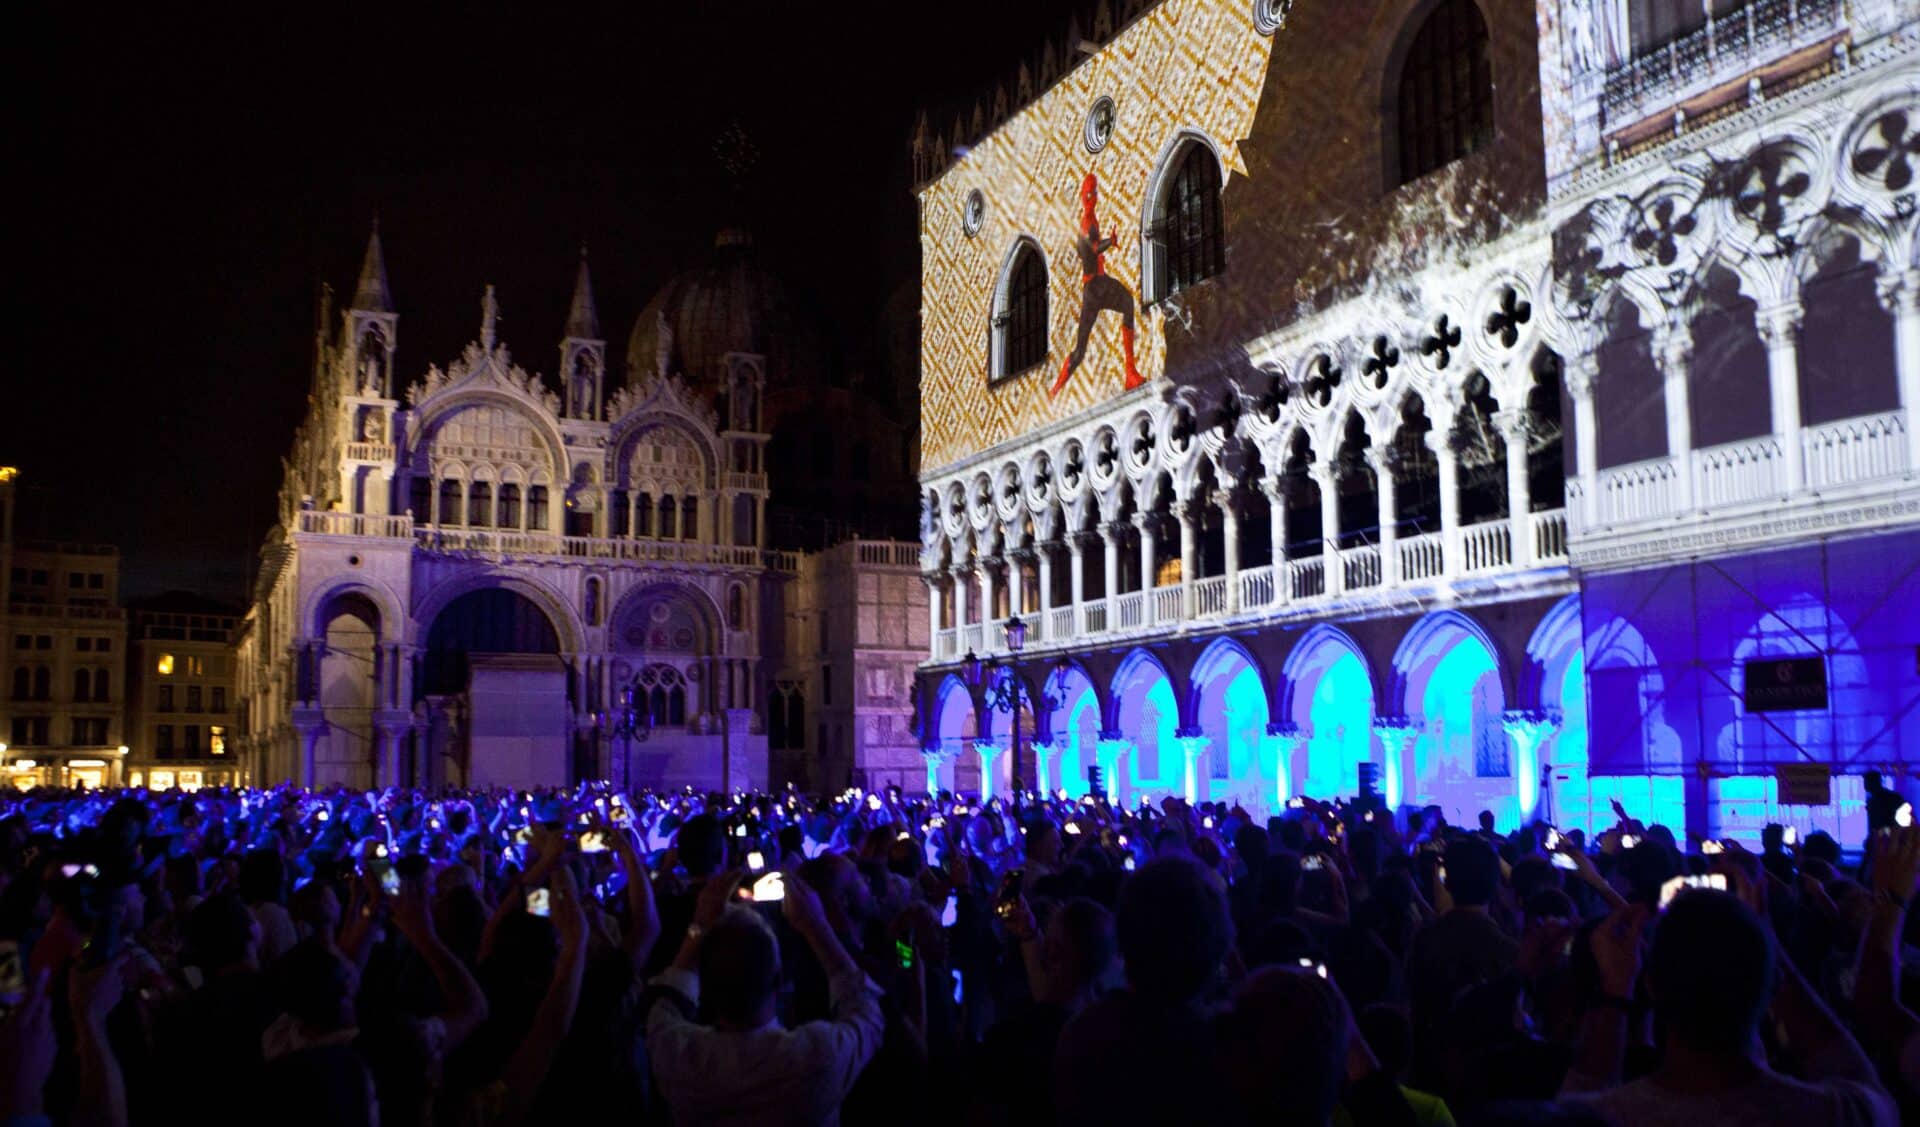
1884 1022
466 1004
528 1067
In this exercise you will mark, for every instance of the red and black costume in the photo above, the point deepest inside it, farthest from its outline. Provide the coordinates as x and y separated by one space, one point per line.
1101 291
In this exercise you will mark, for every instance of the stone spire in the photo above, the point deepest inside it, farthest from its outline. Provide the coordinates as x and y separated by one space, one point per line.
489 318
370 293
583 320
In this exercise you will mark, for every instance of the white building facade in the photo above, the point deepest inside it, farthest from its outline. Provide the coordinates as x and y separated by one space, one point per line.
1441 390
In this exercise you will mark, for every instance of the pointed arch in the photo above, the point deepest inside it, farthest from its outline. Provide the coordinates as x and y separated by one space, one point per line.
1434 633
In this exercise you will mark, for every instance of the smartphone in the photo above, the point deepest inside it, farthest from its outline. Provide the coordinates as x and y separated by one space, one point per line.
1073 828
1316 967
740 830
756 861
873 802
770 889
323 814
1008 897
1128 864
1790 835
903 951
1296 803
1677 885
1628 841
1710 847
1562 861
951 914
72 871
1904 816
1313 862
539 902
593 841
1553 840
1206 823
936 822
903 836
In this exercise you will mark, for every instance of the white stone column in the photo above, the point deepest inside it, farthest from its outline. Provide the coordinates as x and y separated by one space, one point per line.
1045 576
1076 579
1188 514
1449 498
1673 350
1148 552
932 579
1286 738
962 577
1381 460
1530 729
1110 563
934 761
1396 735
1045 756
1193 749
1334 572
1277 538
988 604
1111 752
1513 428
989 754
1230 543
1017 583
1582 373
1900 296
1780 328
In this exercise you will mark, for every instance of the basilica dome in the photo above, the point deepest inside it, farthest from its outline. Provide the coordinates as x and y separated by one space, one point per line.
727 303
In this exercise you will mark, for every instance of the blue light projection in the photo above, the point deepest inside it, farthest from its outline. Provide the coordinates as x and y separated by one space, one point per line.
1232 710
1341 715
1077 731
1463 761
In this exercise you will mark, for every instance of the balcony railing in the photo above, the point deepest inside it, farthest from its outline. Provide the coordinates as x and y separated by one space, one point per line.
1360 567
1750 472
1485 547
888 553
1855 449
1726 48
324 523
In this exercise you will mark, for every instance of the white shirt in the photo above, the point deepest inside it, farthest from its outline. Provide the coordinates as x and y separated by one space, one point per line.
765 1075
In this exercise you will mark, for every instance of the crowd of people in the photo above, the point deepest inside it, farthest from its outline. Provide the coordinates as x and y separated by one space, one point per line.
396 956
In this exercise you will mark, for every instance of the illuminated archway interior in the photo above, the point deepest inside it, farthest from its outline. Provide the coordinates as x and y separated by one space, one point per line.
1333 704
1232 709
1076 730
1149 716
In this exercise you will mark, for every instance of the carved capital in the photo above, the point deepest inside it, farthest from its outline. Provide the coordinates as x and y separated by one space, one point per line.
1582 372
1899 292
1512 425
1778 324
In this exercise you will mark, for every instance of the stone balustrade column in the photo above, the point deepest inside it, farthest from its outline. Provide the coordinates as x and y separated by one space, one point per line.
932 580
988 604
1045 578
1188 514
1449 485
1582 373
962 579
1673 351
1230 544
1110 563
1144 522
1333 571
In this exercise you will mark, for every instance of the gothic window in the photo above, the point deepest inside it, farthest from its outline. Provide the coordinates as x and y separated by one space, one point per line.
664 689
509 506
1020 319
591 610
618 513
643 515
480 505
1445 91
422 499
667 513
449 502
1188 243
689 518
537 508
736 607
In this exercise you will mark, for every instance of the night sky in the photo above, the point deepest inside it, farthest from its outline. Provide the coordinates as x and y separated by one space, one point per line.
184 180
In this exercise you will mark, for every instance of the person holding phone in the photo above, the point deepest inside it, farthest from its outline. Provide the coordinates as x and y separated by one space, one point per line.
745 1068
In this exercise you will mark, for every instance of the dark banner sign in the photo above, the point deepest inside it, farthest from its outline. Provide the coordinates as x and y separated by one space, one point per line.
1794 684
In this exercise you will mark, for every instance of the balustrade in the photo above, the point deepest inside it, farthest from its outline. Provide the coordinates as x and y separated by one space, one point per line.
1308 576
1638 491
1857 449
1095 614
1727 47
1360 567
1166 604
1060 623
1210 596
1128 610
1256 587
354 524
1748 470
1549 535
1422 557
1484 547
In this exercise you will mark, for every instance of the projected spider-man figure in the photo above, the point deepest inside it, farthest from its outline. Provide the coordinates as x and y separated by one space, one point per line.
1101 291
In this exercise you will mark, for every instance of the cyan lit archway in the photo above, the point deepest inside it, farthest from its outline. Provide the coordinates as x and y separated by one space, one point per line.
1451 688
1076 730
1329 695
953 730
1230 702
1557 682
1146 713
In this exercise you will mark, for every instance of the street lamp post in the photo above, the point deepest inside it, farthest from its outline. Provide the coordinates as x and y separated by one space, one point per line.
1004 695
628 723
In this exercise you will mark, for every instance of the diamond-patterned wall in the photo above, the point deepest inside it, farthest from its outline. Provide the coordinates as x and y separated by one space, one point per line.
1187 64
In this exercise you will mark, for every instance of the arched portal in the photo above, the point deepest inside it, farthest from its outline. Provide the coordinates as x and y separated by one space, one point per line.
493 663
1330 697
1146 713
1230 701
1462 760
954 727
1557 672
1076 729
348 691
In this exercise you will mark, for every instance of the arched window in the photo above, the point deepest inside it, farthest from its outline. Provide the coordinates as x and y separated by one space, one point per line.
643 515
1187 241
22 683
1444 94
101 686
1020 314
665 691
42 683
509 506
590 610
689 518
480 505
449 502
82 685
537 508
736 607
421 498
617 513
667 513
